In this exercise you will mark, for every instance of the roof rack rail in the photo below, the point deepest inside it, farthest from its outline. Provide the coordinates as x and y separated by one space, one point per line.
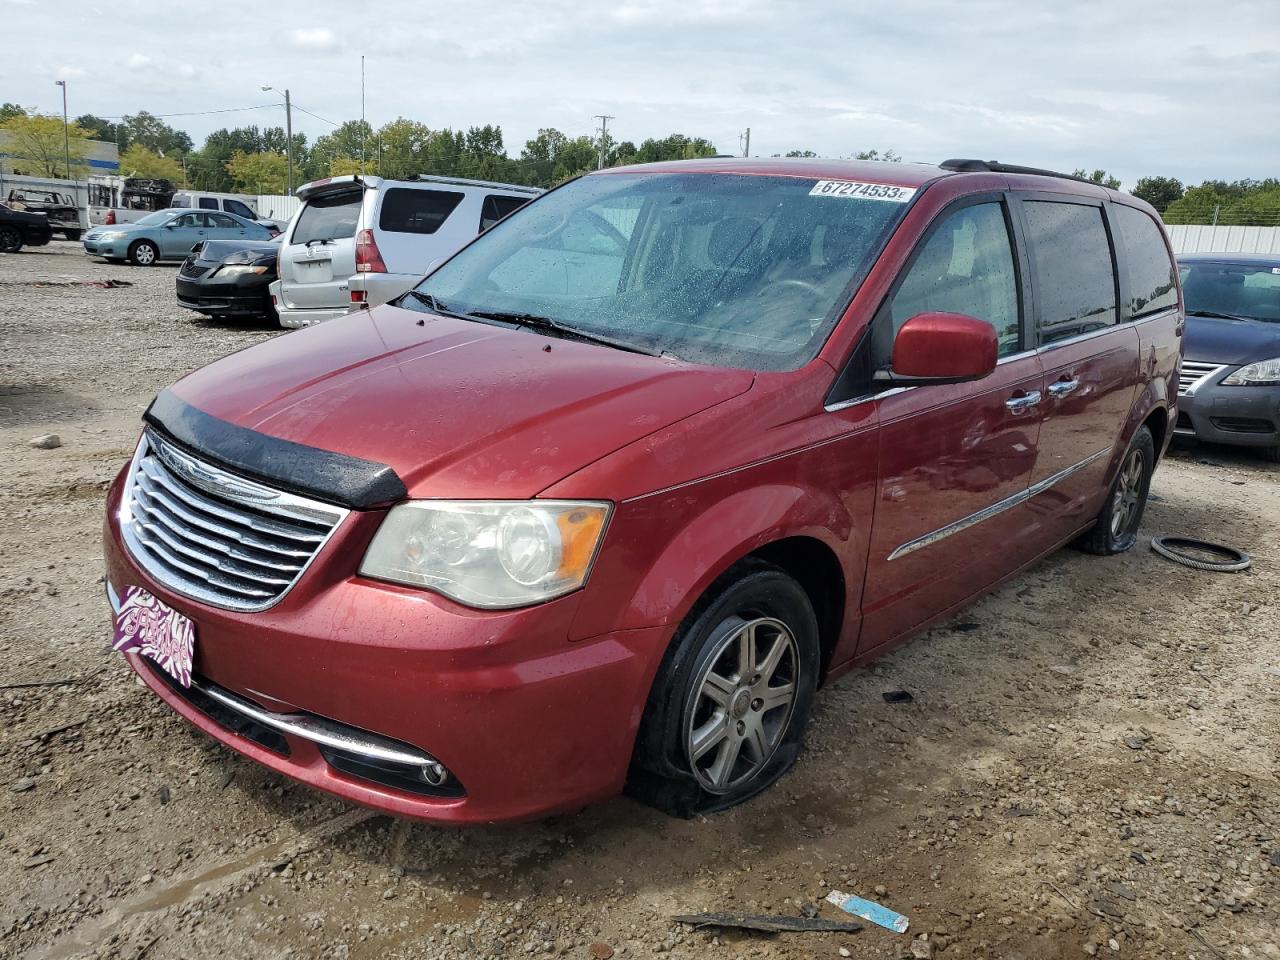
995 166
464 182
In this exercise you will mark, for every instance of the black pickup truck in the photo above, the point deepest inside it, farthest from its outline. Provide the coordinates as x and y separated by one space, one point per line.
64 216
18 228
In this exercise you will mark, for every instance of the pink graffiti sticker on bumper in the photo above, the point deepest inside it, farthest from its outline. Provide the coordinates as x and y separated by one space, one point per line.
147 626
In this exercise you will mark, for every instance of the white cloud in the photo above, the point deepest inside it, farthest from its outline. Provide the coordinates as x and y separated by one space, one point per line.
137 61
314 38
186 70
70 73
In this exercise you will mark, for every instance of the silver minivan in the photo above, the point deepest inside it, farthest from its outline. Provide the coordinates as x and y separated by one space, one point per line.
361 240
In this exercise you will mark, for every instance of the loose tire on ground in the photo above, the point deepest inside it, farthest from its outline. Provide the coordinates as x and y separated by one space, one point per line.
727 712
1175 549
1116 529
143 253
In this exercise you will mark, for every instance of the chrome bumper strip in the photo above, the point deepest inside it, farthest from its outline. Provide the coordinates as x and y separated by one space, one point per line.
326 733
986 513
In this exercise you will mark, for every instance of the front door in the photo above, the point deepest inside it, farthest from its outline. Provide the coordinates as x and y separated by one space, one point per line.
956 460
1090 361
180 235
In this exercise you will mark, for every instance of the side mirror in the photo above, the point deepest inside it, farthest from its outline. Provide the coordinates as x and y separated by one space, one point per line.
171 225
941 348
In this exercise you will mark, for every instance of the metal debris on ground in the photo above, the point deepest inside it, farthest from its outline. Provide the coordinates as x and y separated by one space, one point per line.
763 923
869 910
100 284
897 696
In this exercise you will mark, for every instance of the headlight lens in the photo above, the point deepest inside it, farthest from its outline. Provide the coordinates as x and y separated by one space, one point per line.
111 235
1264 373
489 553
238 269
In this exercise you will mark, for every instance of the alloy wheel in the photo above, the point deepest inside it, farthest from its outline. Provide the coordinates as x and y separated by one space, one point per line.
742 702
145 254
1128 496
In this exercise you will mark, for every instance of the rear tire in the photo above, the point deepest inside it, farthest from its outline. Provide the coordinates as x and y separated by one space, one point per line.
1117 527
10 240
72 235
1270 453
143 253
728 709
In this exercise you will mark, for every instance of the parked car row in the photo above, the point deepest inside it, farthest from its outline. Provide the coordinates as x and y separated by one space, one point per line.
601 501
169 235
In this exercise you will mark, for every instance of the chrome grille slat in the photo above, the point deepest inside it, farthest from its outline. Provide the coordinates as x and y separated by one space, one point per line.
1195 372
231 543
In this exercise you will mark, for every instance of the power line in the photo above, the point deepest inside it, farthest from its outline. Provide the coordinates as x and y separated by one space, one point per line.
316 115
199 113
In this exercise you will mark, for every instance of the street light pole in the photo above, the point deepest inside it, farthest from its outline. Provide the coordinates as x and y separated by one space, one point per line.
66 135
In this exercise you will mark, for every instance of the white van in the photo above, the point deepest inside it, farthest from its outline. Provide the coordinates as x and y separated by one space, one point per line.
361 240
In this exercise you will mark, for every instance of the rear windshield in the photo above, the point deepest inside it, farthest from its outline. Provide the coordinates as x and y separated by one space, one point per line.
731 270
416 211
1244 290
330 217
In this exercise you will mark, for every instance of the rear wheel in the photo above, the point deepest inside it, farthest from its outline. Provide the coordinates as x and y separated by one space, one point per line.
143 253
72 235
1117 527
728 709
1270 453
10 240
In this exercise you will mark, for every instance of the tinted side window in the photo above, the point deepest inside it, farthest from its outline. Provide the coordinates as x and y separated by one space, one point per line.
966 266
1150 271
222 220
1075 282
208 203
190 220
239 209
495 208
331 217
416 211
180 200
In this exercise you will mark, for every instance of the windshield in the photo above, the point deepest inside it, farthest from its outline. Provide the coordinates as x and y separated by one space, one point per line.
744 271
1247 290
154 219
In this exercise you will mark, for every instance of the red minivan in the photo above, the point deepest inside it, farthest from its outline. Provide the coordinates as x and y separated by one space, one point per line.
602 501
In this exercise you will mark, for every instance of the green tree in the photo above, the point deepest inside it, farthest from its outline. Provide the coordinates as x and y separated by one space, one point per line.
154 134
258 172
808 153
1158 191
331 151
208 167
37 146
888 156
10 110
675 146
1239 203
100 129
1100 177
140 161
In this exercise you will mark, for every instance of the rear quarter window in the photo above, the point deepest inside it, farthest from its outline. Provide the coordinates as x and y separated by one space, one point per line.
330 217
496 207
405 210
1148 266
1074 279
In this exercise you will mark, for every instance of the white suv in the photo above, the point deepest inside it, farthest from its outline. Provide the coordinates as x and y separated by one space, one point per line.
362 240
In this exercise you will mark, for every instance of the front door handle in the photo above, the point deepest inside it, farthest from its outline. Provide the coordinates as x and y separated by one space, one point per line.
1062 387
1024 402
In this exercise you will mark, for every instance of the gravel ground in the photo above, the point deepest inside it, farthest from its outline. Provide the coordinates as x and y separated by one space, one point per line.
1089 765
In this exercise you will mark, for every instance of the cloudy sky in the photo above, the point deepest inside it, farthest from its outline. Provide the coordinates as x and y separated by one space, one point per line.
1134 86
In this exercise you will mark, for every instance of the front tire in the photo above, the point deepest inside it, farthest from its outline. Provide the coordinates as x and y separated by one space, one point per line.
1117 527
143 253
728 709
72 235
10 240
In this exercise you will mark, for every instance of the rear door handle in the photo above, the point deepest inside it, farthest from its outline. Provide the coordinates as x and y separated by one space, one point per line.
1025 402
1062 387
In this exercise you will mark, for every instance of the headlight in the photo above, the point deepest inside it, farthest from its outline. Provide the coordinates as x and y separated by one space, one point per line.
111 235
1264 373
238 269
489 553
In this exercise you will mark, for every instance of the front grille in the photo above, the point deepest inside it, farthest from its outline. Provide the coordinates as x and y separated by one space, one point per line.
191 268
214 536
1192 373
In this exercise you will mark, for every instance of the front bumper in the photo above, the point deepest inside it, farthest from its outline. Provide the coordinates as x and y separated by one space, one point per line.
105 248
1243 416
527 722
240 297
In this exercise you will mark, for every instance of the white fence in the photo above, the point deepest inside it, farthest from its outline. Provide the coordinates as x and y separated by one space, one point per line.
276 207
1201 238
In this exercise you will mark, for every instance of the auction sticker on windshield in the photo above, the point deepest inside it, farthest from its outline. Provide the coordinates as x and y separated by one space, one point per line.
856 189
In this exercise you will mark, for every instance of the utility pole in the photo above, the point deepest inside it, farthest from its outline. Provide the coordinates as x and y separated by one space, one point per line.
363 124
288 130
745 140
604 136
66 136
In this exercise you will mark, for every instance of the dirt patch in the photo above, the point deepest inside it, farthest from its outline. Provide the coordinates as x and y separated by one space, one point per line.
1087 764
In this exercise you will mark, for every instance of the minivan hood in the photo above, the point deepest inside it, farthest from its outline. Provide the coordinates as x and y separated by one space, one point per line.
455 408
1211 340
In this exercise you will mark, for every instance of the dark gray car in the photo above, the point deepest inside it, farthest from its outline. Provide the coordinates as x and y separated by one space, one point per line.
1230 384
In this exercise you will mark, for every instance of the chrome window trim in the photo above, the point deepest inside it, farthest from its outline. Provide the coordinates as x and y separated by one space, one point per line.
238 489
995 509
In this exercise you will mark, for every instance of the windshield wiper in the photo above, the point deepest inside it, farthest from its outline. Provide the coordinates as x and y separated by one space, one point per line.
435 306
1217 314
533 321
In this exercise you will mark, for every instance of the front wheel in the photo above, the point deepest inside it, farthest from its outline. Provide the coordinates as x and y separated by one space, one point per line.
72 235
727 712
1117 527
144 253
10 240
